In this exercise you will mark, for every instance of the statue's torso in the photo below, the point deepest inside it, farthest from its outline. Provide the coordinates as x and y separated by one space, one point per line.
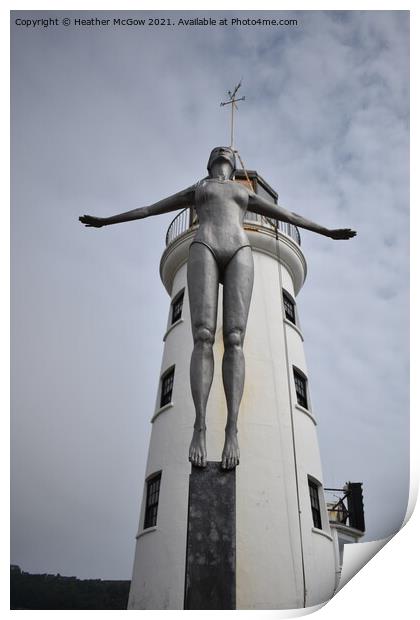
221 207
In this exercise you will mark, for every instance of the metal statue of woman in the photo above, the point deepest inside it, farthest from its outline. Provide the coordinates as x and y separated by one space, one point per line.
219 253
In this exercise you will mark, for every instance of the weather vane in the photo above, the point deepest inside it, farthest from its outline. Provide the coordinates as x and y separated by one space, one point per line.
232 102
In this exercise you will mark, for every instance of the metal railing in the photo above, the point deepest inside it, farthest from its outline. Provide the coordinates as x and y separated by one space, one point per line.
188 219
180 224
337 505
345 506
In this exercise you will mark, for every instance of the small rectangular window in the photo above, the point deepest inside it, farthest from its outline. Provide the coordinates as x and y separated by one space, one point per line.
152 500
316 511
177 304
289 307
301 388
167 385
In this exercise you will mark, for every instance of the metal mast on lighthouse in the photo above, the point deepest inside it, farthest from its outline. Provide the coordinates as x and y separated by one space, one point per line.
232 102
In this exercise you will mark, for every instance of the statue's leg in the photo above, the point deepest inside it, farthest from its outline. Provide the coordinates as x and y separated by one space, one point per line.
237 290
203 289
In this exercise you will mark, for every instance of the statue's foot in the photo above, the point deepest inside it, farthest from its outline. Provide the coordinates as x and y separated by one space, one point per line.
198 454
230 454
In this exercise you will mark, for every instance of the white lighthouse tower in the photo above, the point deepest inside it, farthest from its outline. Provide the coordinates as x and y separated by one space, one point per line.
285 555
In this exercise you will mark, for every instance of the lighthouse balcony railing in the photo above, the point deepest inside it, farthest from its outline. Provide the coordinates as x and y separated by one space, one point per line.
187 220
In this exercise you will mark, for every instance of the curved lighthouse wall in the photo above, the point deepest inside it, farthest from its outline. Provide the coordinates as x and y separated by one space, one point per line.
282 560
159 564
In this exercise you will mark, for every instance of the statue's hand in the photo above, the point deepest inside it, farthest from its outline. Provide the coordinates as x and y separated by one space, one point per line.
90 220
342 233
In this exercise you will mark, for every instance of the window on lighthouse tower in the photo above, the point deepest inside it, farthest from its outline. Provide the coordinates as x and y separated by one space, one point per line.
177 304
152 500
167 385
301 388
289 307
315 507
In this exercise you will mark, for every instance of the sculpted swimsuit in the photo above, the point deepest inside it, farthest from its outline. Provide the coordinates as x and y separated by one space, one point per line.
220 213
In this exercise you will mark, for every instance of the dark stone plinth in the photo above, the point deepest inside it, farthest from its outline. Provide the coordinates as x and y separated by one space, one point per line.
211 549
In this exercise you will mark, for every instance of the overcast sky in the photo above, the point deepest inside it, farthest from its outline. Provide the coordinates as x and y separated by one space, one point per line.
108 119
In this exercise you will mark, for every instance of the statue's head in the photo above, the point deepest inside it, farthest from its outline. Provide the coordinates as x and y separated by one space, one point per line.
222 152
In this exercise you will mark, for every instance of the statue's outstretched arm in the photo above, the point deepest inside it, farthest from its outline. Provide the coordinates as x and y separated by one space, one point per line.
177 201
257 204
